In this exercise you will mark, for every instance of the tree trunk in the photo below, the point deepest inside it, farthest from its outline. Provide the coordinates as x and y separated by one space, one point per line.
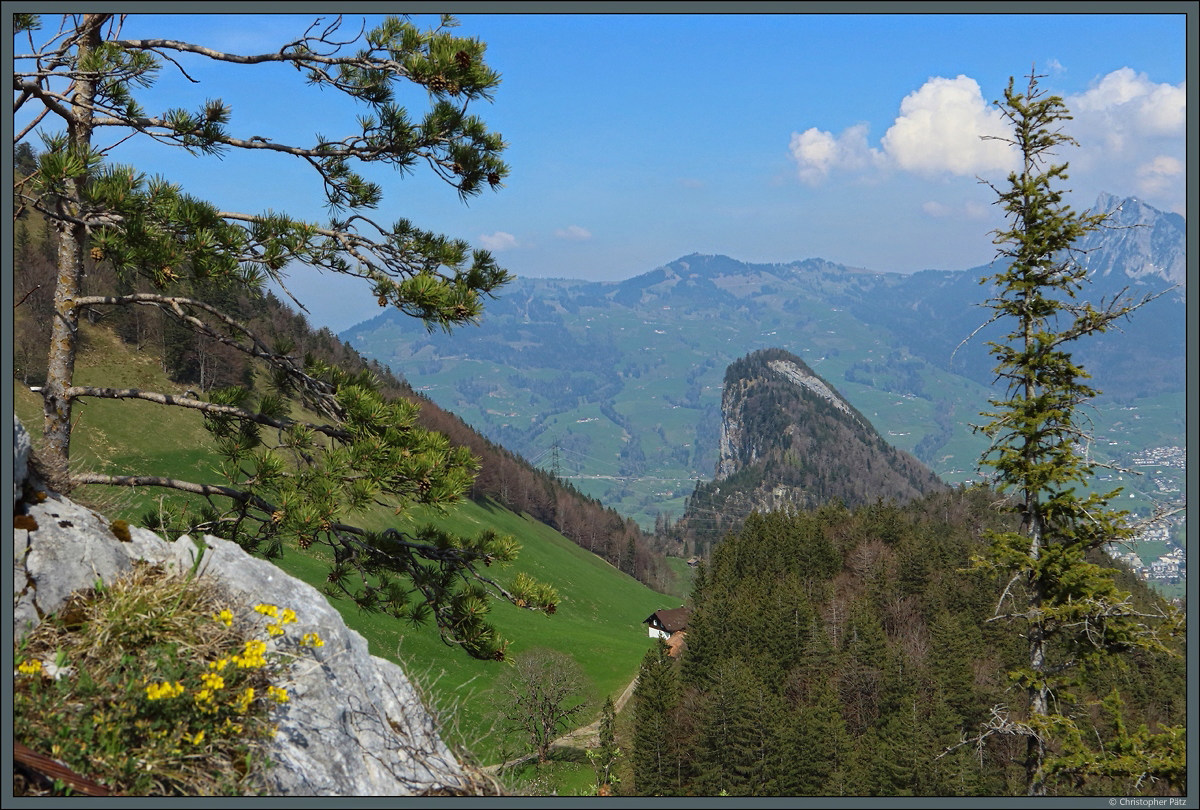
60 370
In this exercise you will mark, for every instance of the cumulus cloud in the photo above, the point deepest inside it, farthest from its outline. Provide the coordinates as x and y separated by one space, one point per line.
498 241
938 130
1126 103
817 152
941 128
576 232
1131 132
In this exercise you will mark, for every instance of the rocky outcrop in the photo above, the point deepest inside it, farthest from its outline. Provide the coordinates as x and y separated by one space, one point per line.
354 725
789 440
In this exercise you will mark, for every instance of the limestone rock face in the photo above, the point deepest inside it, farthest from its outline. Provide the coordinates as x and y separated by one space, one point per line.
20 456
354 724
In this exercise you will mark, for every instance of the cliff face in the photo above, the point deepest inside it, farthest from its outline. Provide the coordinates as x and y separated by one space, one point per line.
739 449
789 439
354 725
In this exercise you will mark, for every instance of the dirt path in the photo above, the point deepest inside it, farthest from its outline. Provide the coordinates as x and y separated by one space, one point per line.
582 737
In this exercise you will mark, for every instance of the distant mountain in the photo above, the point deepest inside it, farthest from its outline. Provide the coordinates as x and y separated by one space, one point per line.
1139 245
617 386
789 439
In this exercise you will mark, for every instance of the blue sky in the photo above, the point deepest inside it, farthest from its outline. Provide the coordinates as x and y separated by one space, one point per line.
634 140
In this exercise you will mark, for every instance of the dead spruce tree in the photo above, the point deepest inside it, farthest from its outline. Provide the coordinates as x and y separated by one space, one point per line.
287 480
1068 608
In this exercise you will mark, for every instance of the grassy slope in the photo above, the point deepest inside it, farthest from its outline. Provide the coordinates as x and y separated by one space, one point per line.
598 622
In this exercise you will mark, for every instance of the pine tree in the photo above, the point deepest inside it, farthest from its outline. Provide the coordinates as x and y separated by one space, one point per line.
287 480
1068 607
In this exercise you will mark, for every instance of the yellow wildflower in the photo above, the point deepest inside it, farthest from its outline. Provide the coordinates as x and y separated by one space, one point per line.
30 667
245 699
213 682
275 629
252 655
267 610
161 691
219 664
311 640
280 695
225 617
289 616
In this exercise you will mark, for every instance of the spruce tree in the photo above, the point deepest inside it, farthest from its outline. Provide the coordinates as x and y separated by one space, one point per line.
654 703
1066 605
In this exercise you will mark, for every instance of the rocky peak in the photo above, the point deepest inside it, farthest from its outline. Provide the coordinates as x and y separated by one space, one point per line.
1138 244
789 438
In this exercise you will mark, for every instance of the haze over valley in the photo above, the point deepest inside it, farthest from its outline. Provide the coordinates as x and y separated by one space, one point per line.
616 386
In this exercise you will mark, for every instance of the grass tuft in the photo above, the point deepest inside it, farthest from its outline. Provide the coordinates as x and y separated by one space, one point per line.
151 685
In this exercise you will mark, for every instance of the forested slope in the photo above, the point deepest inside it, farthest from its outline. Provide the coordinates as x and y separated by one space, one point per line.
840 653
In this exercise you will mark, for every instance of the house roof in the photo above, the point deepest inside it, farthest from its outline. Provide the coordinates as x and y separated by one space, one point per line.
671 620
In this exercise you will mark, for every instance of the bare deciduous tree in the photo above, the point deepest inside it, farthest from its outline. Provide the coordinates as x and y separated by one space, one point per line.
539 696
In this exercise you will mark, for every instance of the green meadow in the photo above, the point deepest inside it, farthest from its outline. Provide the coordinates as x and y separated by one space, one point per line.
598 621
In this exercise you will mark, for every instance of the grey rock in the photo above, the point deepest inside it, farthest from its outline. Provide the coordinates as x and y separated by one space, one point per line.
21 447
354 724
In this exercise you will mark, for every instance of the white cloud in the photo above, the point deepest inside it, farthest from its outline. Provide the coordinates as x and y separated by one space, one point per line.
575 232
940 129
1130 129
1131 133
1159 174
1055 67
817 152
1125 104
498 241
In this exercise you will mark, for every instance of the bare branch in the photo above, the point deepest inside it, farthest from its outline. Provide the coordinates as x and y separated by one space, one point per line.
241 496
321 392
206 407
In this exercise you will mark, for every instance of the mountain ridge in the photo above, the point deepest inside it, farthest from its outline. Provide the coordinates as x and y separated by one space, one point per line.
567 364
